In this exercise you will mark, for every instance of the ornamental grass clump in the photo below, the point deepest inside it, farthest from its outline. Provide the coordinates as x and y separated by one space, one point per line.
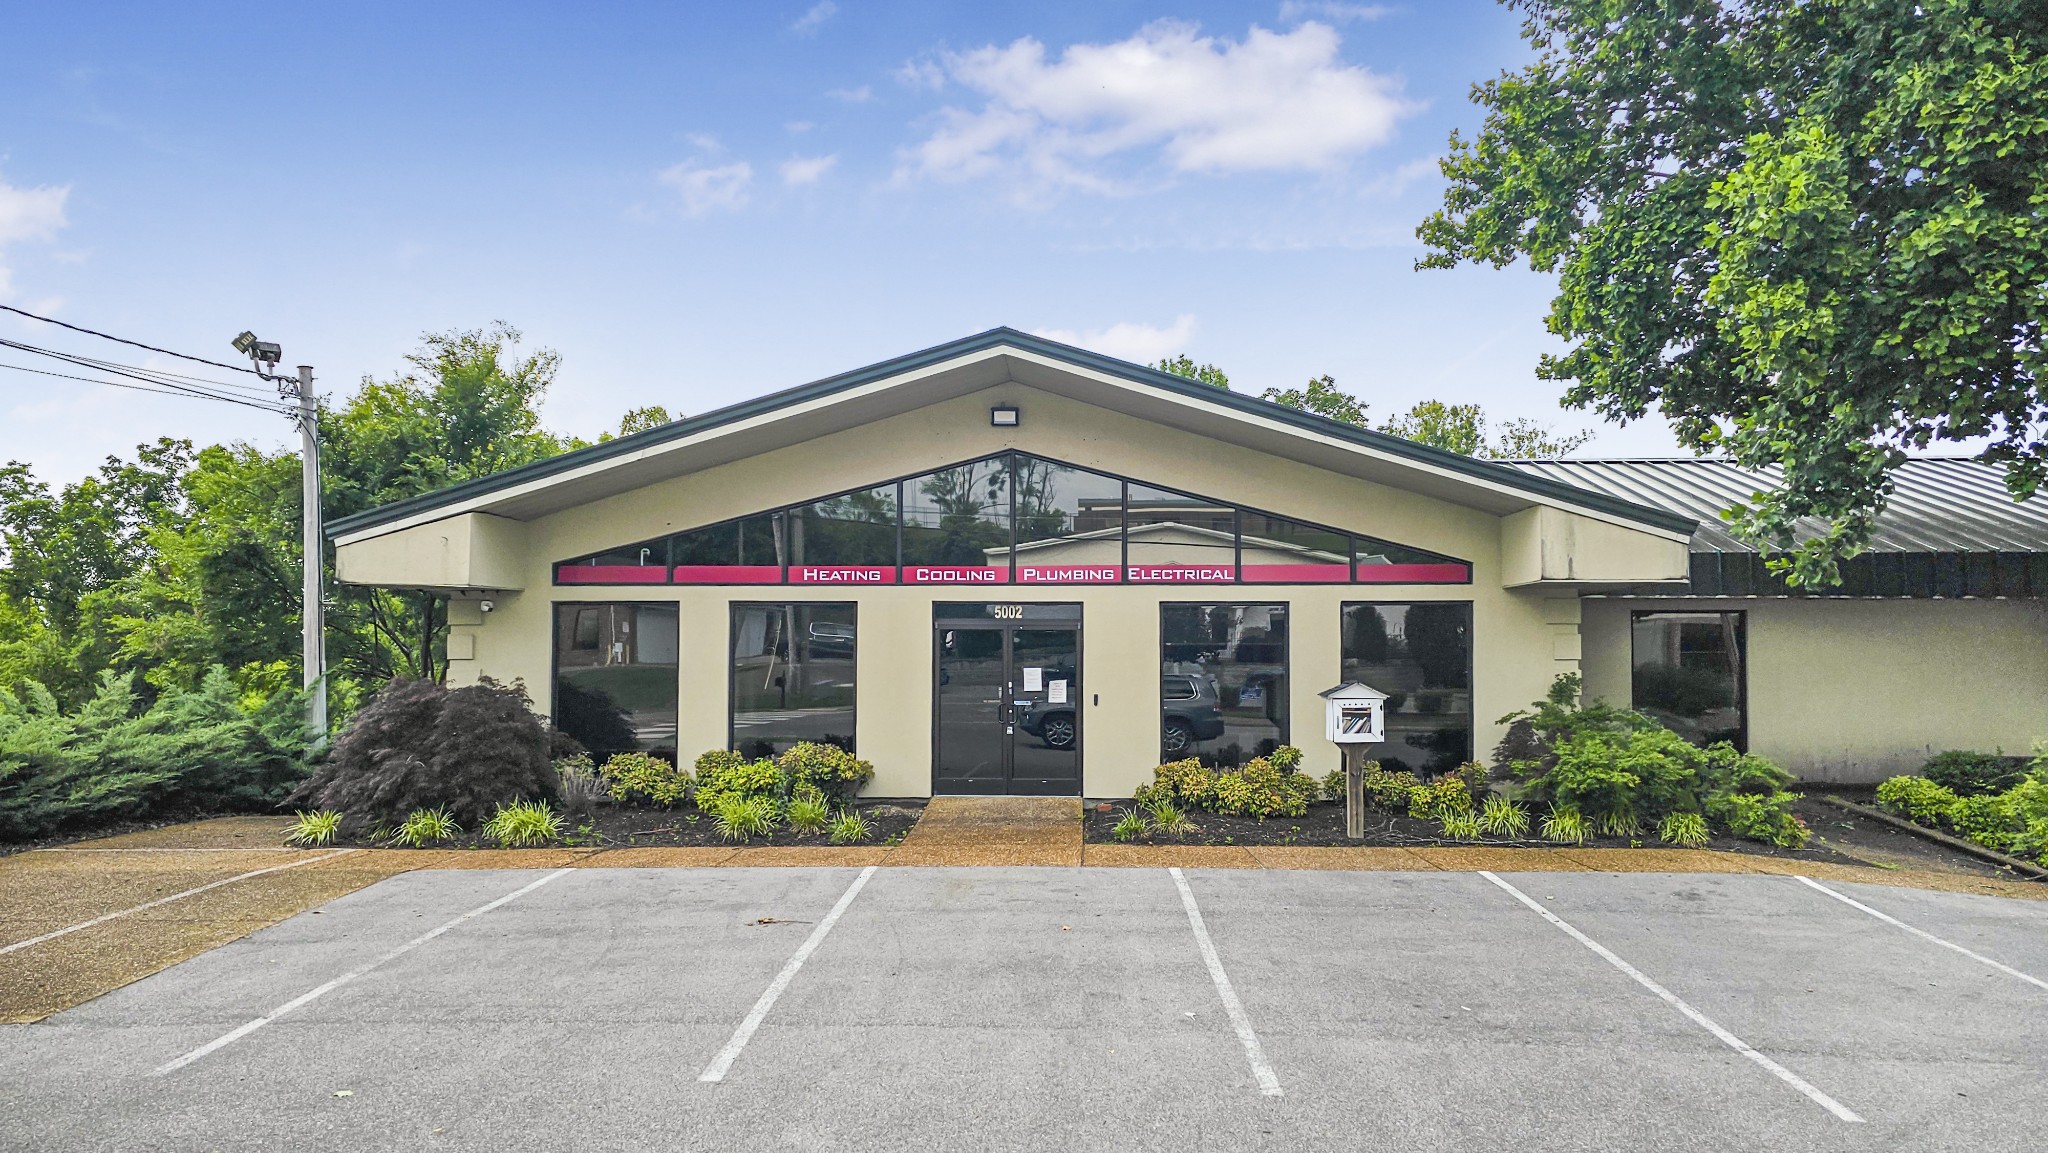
807 811
739 817
1169 819
849 828
1501 817
524 825
313 829
579 783
1130 825
1459 826
1566 826
1686 830
423 827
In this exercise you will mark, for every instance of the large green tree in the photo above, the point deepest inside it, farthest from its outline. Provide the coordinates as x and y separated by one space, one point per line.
1809 232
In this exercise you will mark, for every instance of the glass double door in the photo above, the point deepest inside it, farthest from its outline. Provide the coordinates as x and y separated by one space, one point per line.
1006 705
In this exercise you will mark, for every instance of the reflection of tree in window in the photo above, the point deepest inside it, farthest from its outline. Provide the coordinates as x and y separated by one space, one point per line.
857 528
959 514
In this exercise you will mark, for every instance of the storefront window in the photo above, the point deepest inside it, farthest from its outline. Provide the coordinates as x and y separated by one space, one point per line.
846 539
615 676
1222 681
792 675
1015 518
745 551
1282 551
1420 654
1180 539
1069 524
956 525
1688 672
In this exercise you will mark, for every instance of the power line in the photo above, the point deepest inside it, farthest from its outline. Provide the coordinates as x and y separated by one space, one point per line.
278 411
141 374
116 366
123 340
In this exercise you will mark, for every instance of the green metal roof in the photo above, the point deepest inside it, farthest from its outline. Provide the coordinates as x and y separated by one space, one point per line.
1549 489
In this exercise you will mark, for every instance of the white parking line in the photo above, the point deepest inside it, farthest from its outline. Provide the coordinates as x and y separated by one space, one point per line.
716 1071
1269 1082
1923 934
1672 999
307 998
103 919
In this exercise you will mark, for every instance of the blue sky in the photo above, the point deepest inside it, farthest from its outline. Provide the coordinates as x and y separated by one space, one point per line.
698 203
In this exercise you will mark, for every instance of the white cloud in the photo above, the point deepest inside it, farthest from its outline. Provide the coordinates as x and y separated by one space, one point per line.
1272 101
925 73
809 22
705 142
799 127
807 169
705 190
28 214
860 95
1141 343
1293 10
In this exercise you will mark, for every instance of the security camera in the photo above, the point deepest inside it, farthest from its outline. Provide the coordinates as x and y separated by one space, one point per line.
486 606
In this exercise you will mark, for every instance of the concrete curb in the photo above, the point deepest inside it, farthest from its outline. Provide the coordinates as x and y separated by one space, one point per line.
1993 856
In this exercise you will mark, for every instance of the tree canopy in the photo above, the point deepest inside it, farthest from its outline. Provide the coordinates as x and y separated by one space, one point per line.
177 561
1454 427
1809 232
1184 365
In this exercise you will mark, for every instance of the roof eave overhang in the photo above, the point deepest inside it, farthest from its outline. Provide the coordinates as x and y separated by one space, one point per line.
988 360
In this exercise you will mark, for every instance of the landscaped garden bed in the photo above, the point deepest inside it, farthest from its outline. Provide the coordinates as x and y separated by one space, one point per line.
1995 802
423 766
1566 775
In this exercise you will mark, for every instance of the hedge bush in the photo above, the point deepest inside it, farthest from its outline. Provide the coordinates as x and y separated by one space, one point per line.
208 749
419 745
1971 774
830 769
2014 821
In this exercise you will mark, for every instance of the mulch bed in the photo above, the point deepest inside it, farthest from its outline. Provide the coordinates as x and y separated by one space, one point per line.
1324 825
614 826
161 820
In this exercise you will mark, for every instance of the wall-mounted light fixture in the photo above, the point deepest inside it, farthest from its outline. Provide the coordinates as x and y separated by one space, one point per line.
1004 416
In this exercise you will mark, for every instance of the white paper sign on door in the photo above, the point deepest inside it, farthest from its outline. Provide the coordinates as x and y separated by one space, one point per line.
1056 693
1034 679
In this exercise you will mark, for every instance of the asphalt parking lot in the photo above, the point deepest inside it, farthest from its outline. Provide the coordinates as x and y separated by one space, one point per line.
1052 1008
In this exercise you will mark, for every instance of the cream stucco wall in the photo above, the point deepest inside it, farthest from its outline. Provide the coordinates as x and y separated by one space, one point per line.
1522 638
1859 690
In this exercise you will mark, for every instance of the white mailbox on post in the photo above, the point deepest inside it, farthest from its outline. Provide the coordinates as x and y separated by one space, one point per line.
1357 714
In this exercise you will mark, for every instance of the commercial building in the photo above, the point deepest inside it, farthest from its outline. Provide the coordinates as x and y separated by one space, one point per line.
1004 565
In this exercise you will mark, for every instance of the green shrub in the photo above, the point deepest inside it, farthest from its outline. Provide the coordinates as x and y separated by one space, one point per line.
312 829
830 769
210 748
739 817
715 761
524 825
1990 821
417 745
1130 826
807 811
753 779
849 828
1917 799
2032 842
423 827
1286 758
646 779
1391 791
1973 774
1566 826
1335 785
1260 790
1187 781
1687 830
1763 817
1502 817
1460 826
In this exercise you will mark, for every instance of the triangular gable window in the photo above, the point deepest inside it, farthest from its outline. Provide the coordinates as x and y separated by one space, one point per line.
1014 518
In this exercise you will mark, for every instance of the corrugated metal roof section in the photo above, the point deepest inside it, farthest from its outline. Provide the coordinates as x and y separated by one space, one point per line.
1940 505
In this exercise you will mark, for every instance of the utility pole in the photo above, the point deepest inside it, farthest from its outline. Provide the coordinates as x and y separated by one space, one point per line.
312 613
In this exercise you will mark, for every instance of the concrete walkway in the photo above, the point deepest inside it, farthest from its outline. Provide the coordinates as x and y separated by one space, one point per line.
994 831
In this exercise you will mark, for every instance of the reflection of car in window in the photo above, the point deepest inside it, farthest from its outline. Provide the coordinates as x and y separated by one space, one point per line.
831 638
1187 706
